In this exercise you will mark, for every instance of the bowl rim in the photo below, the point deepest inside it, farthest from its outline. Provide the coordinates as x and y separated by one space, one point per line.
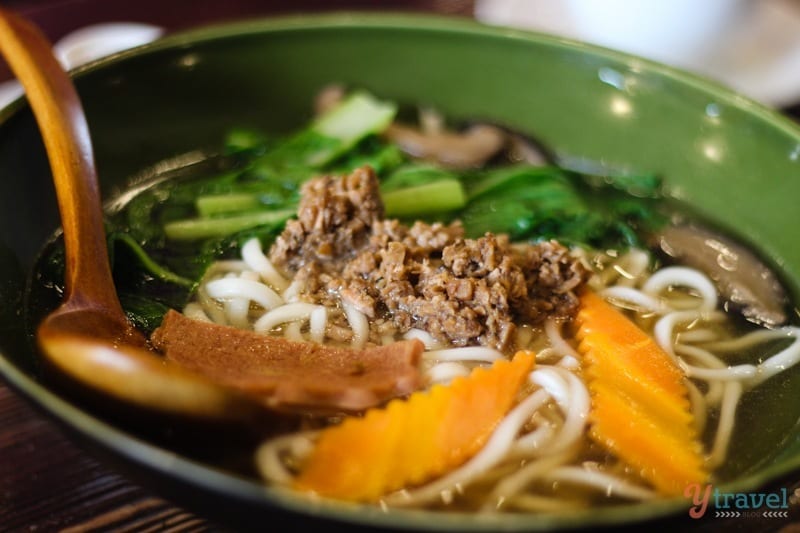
142 453
415 22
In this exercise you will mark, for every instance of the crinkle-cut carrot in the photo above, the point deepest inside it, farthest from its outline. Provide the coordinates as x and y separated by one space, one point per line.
411 441
640 407
666 456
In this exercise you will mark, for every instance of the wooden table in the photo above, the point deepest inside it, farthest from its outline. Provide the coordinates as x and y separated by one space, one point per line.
47 483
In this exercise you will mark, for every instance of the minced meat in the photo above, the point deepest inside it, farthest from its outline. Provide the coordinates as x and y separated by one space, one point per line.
428 276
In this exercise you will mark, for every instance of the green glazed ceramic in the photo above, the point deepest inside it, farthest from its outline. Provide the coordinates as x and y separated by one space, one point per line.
729 158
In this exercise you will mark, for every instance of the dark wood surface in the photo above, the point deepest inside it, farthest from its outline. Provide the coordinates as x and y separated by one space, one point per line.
47 482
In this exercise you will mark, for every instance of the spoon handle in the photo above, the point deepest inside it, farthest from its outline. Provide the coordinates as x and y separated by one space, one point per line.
58 111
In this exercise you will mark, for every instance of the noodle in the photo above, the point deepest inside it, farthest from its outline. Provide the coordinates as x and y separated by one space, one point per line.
269 455
291 293
782 360
236 310
610 485
291 312
292 332
426 338
445 372
257 261
243 288
699 405
510 487
557 341
643 301
467 353
727 414
664 330
683 277
572 397
358 321
195 311
317 321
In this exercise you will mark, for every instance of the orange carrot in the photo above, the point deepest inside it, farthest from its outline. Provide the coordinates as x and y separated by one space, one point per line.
640 406
411 441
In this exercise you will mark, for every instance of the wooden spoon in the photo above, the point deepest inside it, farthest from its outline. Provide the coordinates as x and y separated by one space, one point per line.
89 337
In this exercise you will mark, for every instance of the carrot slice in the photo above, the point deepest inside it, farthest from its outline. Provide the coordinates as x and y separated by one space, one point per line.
660 453
409 442
640 407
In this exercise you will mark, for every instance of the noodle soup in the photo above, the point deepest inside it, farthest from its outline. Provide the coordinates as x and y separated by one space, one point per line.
616 359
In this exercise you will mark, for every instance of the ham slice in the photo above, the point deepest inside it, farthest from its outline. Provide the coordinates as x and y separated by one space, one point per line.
289 375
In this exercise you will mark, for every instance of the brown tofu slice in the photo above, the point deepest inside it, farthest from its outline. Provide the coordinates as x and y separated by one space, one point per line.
289 375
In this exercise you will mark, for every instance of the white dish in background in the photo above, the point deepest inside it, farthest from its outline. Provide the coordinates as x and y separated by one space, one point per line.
87 44
759 56
99 40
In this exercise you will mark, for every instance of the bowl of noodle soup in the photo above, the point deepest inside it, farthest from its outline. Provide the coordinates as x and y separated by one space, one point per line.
631 146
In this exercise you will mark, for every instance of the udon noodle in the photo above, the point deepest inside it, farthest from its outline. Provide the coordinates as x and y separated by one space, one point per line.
541 445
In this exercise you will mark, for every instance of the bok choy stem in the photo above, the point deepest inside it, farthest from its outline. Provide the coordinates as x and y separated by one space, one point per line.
436 197
217 204
203 228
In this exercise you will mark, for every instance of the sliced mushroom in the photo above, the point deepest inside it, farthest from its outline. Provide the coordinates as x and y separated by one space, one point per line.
433 141
522 149
328 97
741 278
471 148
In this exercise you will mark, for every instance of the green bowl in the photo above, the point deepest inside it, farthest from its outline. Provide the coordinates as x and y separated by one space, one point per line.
732 160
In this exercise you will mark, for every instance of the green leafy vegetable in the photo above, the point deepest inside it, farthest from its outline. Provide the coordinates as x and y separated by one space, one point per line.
359 115
430 198
331 135
216 204
202 228
144 260
552 203
415 174
266 191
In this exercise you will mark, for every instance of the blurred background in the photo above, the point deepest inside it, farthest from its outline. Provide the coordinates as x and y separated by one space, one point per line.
751 45
46 483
